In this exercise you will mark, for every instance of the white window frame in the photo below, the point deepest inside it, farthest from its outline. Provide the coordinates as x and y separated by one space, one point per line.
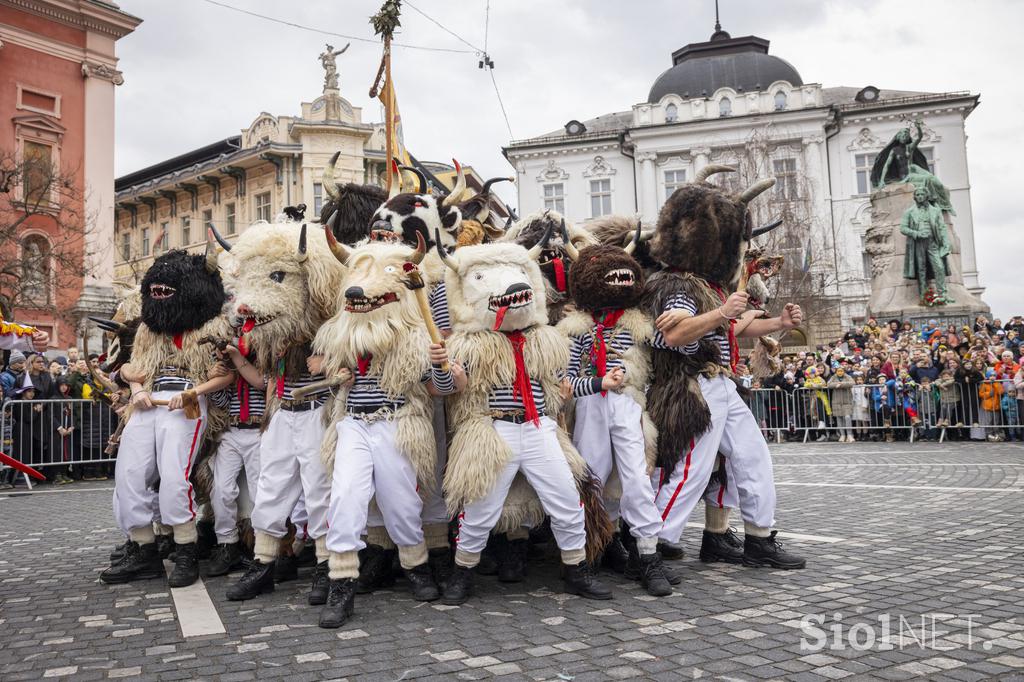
230 218
554 202
602 195
858 169
207 221
185 224
775 100
728 103
263 211
126 246
676 183
671 112
145 241
318 197
787 187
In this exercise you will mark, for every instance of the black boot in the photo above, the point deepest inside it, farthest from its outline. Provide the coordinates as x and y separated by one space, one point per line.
615 557
286 569
258 578
307 557
580 580
341 596
440 561
226 558
459 586
422 582
206 539
186 566
140 562
721 547
375 569
512 569
653 577
165 545
321 583
119 552
669 552
494 554
768 552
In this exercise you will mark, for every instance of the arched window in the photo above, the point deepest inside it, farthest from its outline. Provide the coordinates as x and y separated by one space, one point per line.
671 113
35 266
780 100
725 107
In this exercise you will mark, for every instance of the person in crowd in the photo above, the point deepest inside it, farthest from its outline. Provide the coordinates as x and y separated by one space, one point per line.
56 369
39 374
861 397
11 377
65 444
840 386
990 392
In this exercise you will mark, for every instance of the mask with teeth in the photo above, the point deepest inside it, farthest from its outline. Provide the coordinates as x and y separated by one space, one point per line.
605 277
179 293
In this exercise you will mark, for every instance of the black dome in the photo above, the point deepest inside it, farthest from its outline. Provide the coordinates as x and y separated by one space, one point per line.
742 64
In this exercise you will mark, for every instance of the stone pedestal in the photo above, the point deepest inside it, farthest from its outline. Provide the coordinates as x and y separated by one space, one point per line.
892 295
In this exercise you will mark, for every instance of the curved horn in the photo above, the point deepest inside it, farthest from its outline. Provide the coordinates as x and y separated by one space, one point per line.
302 244
631 246
421 249
508 223
108 325
486 189
534 253
759 186
460 186
440 250
211 256
766 228
711 169
339 251
648 234
327 179
570 248
419 174
396 185
224 243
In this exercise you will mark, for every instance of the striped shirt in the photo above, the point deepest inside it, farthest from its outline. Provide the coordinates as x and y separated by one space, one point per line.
439 307
583 359
684 302
304 379
366 393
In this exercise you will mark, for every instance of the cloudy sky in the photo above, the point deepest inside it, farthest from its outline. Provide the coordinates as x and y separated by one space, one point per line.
196 72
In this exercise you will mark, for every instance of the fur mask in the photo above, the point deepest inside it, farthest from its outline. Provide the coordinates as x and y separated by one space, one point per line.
555 258
605 277
495 287
353 203
179 293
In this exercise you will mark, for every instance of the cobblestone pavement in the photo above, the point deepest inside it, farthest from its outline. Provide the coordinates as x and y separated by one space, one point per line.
893 533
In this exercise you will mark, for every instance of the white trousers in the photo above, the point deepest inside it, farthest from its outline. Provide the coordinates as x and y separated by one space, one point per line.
290 466
535 452
609 431
300 518
239 450
157 443
722 496
367 462
734 432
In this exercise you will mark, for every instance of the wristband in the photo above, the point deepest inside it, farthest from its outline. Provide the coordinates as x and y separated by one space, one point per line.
724 316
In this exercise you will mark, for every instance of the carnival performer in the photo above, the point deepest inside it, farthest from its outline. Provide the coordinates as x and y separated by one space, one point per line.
22 337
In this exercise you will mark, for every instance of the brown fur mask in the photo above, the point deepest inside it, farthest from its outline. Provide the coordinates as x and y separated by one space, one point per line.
605 277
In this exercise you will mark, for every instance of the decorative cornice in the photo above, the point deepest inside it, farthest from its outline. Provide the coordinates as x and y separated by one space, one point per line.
552 172
865 141
103 72
599 168
87 15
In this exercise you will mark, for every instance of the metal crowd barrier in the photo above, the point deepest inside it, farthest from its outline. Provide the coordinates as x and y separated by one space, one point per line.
32 432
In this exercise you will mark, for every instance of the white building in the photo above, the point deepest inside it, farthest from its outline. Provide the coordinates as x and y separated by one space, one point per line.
728 101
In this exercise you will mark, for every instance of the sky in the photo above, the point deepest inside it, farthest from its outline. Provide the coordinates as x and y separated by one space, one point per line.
196 72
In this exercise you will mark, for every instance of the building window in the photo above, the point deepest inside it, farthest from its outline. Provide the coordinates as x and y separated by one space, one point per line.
725 107
780 100
554 197
186 230
35 263
862 166
145 241
785 179
263 206
229 217
160 243
207 221
929 153
318 198
671 113
600 197
674 179
126 246
38 173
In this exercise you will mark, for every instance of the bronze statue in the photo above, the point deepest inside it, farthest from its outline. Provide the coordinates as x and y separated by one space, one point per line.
902 161
928 248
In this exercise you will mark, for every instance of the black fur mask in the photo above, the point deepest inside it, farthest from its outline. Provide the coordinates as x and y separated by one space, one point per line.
179 294
554 261
605 277
355 205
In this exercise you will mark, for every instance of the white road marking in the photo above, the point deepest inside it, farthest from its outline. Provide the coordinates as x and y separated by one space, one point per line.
941 488
784 534
36 491
195 610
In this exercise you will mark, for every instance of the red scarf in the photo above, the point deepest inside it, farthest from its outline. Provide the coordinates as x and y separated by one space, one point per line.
177 340
521 387
734 349
606 321
242 387
559 268
364 364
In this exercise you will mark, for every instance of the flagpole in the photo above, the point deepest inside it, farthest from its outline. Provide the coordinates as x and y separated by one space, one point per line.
384 24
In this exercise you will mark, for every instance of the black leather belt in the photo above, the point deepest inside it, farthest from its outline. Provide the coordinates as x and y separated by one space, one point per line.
304 406
236 423
513 418
371 409
172 385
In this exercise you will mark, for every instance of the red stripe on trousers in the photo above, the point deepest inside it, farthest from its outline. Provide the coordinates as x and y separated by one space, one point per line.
188 466
686 473
721 492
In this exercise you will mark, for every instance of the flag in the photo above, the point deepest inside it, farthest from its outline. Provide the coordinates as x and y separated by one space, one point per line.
398 150
806 266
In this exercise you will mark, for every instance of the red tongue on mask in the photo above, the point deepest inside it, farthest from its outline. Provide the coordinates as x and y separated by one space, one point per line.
499 317
559 267
249 324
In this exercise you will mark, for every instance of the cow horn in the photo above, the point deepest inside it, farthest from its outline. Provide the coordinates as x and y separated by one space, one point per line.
419 174
711 169
486 189
648 234
460 186
339 251
396 186
327 179
302 244
631 246
421 249
535 252
440 250
108 325
759 186
766 228
570 248
224 243
211 256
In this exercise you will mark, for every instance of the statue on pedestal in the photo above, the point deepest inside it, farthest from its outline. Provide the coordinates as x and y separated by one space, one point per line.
928 248
328 58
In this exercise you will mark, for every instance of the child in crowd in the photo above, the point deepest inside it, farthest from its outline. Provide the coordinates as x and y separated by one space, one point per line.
861 405
926 408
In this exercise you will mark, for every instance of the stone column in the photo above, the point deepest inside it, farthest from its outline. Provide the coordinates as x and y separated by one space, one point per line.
648 185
